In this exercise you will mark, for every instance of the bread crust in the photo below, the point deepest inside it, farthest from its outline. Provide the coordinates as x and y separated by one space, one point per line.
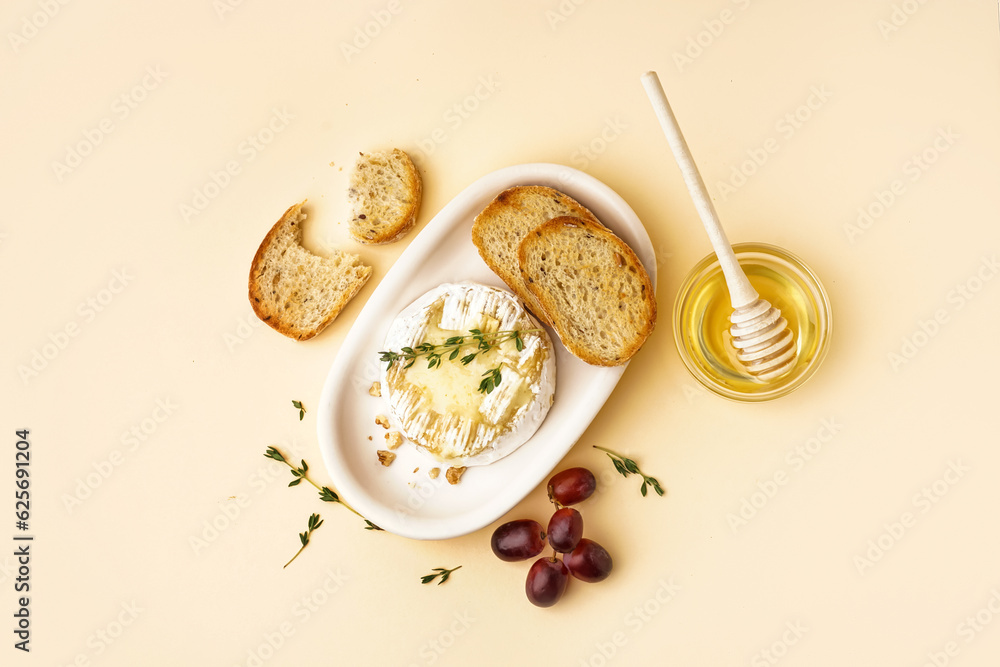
265 308
362 193
513 214
643 305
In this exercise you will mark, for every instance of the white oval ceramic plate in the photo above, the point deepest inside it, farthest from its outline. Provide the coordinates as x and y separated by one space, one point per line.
409 503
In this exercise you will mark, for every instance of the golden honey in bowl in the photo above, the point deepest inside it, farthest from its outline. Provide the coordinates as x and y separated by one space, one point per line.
701 321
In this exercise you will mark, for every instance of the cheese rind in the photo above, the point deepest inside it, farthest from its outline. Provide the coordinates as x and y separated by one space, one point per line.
441 409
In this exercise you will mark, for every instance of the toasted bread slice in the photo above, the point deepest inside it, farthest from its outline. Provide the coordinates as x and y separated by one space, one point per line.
384 195
292 290
498 230
592 287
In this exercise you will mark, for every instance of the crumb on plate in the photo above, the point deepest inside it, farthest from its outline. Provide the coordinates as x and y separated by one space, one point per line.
393 439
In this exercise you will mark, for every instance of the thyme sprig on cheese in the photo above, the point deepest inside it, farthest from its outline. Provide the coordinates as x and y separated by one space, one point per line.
491 380
479 341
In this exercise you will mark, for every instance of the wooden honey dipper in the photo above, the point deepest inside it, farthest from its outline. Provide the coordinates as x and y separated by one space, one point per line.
764 344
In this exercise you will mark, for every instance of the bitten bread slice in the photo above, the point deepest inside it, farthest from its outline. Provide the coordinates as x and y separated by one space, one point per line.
594 290
499 229
384 195
292 290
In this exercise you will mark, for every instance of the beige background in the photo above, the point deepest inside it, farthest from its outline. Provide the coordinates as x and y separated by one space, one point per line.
877 550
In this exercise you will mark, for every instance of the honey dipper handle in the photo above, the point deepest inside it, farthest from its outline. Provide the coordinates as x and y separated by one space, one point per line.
741 292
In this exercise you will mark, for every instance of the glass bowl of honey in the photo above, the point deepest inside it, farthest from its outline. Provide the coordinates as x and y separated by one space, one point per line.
701 321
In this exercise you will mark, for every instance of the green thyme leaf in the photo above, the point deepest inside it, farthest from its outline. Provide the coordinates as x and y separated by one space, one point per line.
314 523
627 466
492 380
326 494
441 572
273 453
452 349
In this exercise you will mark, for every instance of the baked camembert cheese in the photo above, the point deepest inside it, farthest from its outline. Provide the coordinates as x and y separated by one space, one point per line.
441 409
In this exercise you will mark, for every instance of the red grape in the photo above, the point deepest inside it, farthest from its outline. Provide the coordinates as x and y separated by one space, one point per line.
546 582
589 561
518 540
572 486
565 529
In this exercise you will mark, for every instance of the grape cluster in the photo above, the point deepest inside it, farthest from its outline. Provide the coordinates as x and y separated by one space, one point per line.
525 538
